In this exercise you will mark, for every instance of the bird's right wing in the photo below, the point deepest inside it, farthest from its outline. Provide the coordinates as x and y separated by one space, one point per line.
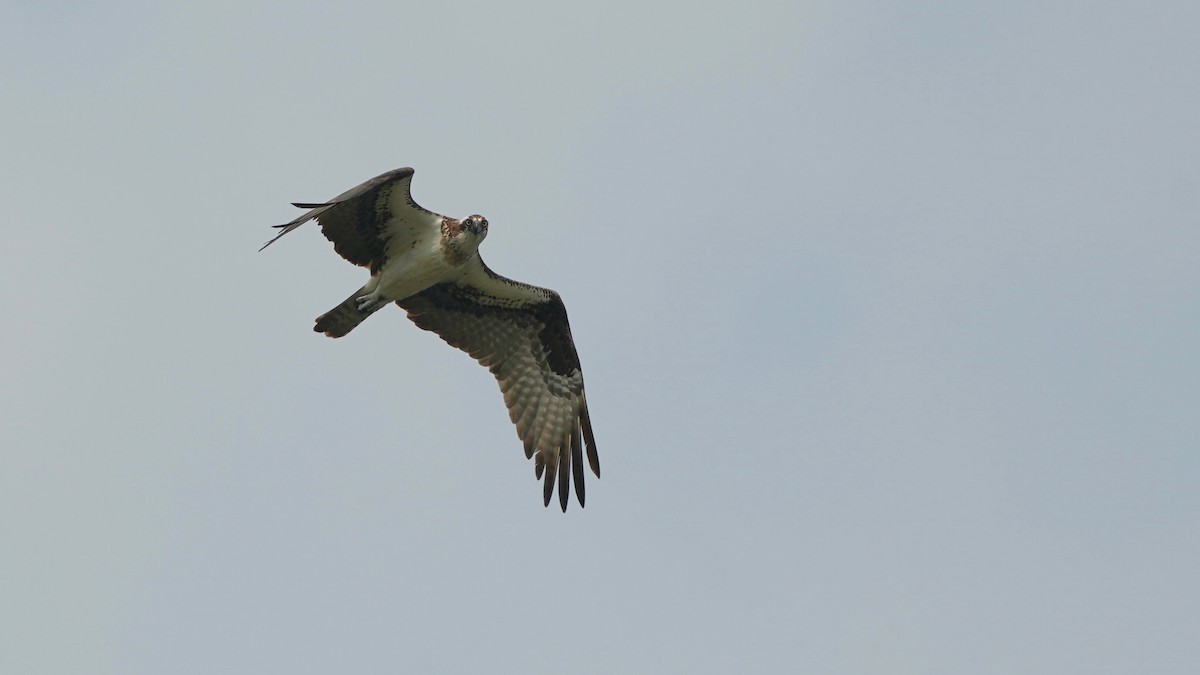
363 221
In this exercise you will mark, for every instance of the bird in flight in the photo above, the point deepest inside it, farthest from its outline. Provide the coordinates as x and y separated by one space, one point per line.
429 265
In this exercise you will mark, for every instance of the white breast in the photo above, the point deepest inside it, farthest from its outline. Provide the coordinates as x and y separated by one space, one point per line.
416 269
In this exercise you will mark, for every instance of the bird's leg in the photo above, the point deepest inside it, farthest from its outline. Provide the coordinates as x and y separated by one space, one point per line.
371 301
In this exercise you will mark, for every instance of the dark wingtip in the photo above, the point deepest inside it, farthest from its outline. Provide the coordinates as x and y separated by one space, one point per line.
287 228
309 205
590 440
577 464
548 486
564 480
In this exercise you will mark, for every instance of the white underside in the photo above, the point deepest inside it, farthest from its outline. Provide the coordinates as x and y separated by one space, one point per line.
411 272
416 261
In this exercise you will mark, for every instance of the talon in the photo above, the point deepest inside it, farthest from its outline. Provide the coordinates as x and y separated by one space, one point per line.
365 303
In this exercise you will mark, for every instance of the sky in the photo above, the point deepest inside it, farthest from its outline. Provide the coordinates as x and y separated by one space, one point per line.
888 314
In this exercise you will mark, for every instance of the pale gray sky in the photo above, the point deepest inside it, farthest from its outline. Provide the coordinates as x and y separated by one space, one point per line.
889 315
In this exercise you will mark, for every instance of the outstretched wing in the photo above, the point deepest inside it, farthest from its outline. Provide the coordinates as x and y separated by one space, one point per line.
367 221
520 333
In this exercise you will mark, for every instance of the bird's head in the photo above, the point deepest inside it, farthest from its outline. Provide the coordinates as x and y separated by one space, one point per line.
476 225
461 238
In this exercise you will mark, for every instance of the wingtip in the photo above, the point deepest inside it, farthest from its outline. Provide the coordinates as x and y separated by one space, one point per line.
564 479
548 485
287 227
577 464
273 239
589 440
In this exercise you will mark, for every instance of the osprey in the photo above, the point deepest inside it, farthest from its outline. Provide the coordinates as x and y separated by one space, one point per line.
429 265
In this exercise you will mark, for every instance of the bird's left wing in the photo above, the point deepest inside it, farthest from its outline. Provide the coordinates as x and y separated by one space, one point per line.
521 334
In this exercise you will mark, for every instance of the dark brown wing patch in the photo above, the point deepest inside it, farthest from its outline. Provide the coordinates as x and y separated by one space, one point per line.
355 227
356 223
356 220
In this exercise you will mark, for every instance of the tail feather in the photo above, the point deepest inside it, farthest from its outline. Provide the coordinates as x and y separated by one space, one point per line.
344 318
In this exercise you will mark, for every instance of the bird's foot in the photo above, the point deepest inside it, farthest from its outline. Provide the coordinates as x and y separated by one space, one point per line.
368 303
